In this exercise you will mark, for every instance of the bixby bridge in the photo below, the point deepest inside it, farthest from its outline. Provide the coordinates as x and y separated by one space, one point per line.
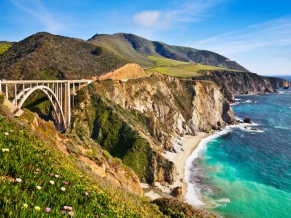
59 92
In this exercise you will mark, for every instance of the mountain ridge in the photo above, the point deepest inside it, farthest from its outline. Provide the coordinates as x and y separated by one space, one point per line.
145 47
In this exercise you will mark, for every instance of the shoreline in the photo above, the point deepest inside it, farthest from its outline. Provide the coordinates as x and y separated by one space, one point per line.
189 144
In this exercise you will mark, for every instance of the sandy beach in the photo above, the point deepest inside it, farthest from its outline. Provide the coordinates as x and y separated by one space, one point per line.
189 144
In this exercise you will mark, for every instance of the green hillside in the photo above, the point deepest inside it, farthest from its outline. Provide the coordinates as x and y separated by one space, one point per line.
181 69
136 48
38 179
47 56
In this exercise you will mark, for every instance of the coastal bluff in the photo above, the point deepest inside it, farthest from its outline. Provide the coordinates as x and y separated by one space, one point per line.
138 119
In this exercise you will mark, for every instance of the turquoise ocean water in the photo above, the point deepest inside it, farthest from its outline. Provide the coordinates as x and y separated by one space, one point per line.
245 170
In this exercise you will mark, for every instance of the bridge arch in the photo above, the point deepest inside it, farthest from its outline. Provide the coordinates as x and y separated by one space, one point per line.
59 93
60 118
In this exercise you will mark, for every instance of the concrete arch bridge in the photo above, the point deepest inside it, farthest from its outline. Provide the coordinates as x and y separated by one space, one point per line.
59 93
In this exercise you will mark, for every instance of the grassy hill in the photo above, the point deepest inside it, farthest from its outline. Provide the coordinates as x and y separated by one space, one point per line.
136 49
40 179
182 69
47 56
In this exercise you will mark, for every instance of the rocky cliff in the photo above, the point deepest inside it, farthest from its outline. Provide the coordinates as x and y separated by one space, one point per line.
235 83
136 120
278 82
128 71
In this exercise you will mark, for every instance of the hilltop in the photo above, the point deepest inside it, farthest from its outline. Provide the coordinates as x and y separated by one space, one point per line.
47 56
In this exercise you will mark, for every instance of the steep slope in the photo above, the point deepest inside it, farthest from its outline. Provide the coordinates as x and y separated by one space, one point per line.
138 119
46 174
119 44
278 82
137 48
234 83
47 56
128 71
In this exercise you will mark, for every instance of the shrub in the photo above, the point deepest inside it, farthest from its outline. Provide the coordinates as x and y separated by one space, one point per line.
2 99
97 51
178 209
80 97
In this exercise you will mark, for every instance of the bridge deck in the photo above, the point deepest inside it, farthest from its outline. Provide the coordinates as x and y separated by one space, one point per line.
43 81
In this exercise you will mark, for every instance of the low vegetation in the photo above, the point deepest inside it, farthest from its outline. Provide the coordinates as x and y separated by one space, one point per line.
4 46
177 209
37 180
145 52
162 62
47 56
114 134
183 69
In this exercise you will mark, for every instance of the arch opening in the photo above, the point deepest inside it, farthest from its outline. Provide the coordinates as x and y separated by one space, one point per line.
58 115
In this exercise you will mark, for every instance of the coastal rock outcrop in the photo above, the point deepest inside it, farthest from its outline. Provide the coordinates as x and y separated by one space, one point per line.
176 192
278 82
236 83
247 120
128 71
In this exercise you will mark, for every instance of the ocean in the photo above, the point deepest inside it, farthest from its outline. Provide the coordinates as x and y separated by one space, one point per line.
244 171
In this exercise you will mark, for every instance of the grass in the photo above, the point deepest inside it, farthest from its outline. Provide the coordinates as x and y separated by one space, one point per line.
182 69
37 180
4 46
160 62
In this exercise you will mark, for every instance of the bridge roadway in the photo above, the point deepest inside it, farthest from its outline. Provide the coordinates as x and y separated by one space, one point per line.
59 93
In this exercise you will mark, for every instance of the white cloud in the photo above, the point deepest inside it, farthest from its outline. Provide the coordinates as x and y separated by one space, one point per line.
259 36
285 55
186 11
35 8
147 18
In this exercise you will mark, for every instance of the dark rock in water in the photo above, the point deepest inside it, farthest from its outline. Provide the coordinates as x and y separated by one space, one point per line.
254 129
247 120
245 127
176 192
286 87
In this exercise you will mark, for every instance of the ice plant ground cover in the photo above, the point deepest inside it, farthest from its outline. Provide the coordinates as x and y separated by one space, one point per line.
33 173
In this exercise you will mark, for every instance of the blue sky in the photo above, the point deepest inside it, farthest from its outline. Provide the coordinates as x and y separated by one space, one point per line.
254 33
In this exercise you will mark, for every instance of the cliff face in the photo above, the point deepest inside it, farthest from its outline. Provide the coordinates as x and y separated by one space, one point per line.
136 120
89 155
128 71
278 82
235 83
241 82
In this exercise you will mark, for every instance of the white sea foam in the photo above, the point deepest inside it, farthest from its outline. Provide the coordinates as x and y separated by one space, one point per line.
223 200
193 195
